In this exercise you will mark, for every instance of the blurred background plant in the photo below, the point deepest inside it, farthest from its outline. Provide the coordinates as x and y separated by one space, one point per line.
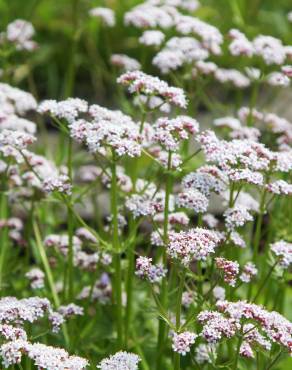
59 24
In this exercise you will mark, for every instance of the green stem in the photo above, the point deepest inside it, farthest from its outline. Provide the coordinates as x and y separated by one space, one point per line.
231 195
117 256
3 234
131 246
178 316
257 237
265 280
45 263
277 357
190 157
49 274
179 300
237 352
70 277
130 276
162 324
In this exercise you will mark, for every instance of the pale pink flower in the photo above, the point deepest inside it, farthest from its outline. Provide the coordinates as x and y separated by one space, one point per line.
181 343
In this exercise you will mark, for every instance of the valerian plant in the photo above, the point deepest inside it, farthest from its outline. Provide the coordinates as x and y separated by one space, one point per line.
143 238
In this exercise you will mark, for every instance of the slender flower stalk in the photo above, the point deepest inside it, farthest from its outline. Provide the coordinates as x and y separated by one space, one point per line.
45 263
265 280
259 222
130 277
237 350
178 315
274 361
163 294
131 245
117 257
70 226
3 235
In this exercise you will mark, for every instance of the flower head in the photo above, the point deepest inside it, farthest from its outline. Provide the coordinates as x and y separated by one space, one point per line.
120 361
181 343
139 82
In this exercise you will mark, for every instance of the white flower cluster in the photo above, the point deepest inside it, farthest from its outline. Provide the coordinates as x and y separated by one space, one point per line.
149 15
145 269
139 82
15 123
16 133
190 5
152 38
230 122
232 76
210 220
274 326
230 270
280 187
83 260
68 109
278 79
59 184
108 128
20 33
101 292
106 15
249 133
148 203
35 174
125 62
216 326
12 142
240 45
245 175
193 199
284 161
237 240
44 357
170 132
152 103
248 272
269 48
194 244
204 68
219 293
175 218
205 353
287 70
181 343
86 235
102 129
283 250
187 298
36 277
30 309
211 37
235 153
204 180
15 101
71 310
252 336
179 51
120 361
236 217
15 226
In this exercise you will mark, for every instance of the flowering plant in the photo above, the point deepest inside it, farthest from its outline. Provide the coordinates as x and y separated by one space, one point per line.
144 237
